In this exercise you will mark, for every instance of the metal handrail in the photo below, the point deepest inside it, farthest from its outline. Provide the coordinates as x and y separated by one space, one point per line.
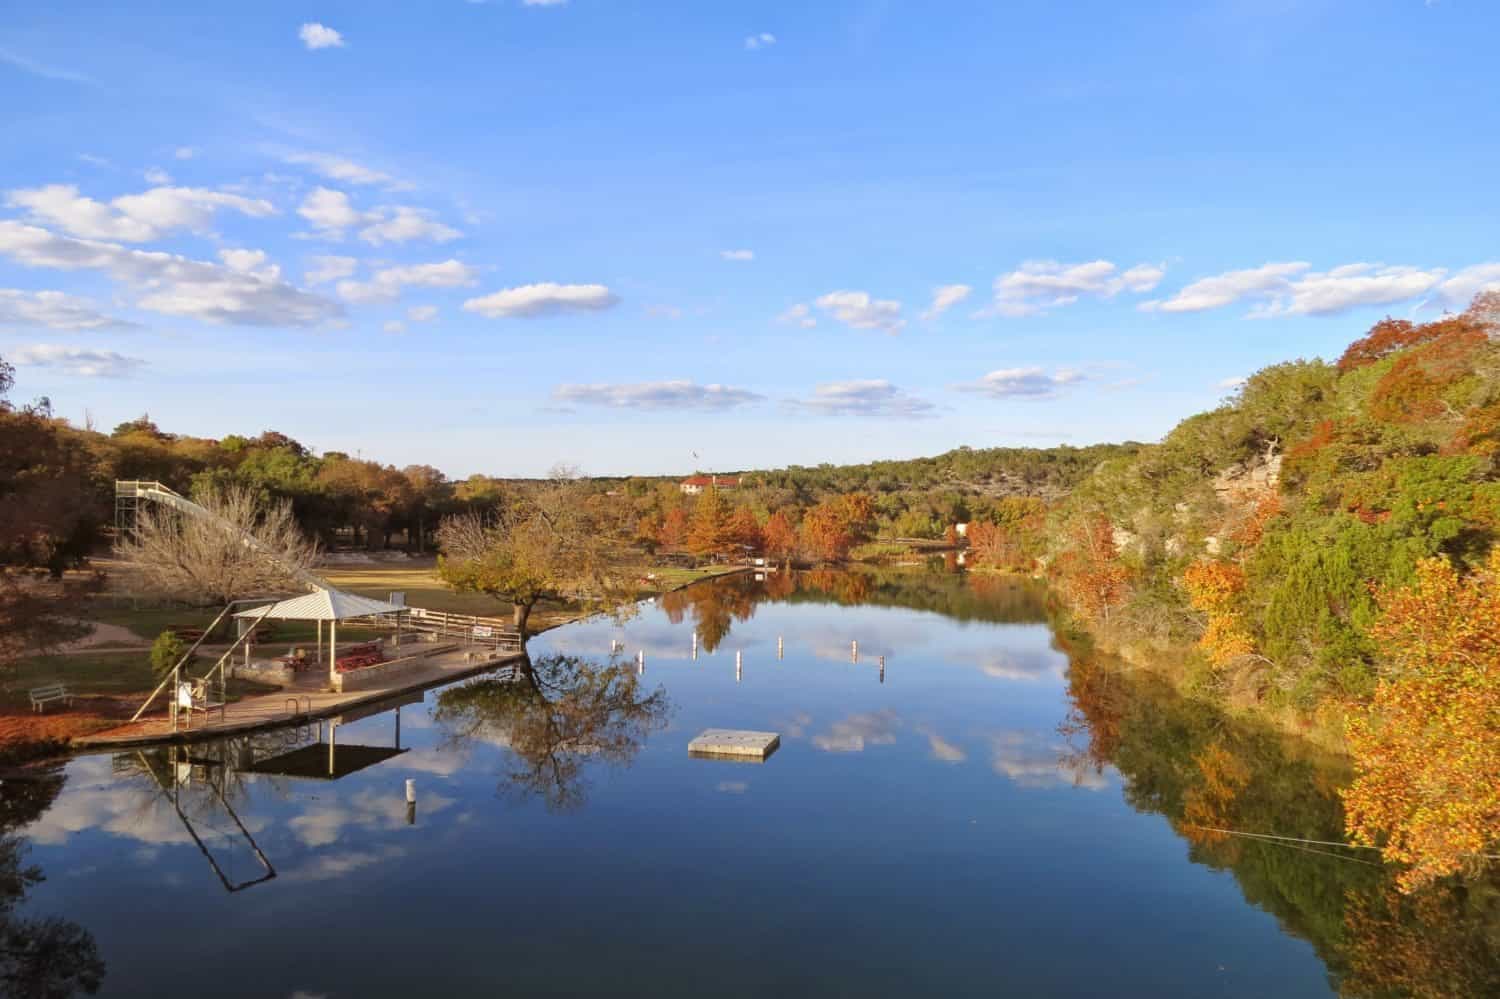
176 674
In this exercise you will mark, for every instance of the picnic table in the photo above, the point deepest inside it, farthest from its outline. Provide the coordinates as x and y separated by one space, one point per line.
360 656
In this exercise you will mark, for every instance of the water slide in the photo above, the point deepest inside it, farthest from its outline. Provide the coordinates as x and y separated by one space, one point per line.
129 496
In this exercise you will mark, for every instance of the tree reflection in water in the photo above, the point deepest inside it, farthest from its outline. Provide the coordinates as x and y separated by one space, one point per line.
49 957
558 715
1207 772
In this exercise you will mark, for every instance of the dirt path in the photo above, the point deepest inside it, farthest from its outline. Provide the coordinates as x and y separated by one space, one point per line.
120 639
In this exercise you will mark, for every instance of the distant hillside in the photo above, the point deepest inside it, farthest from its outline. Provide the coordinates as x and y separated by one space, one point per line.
998 471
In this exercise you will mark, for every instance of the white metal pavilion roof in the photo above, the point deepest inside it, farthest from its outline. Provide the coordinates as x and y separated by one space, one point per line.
322 605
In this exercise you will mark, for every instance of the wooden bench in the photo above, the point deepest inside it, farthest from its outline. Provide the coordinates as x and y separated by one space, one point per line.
42 696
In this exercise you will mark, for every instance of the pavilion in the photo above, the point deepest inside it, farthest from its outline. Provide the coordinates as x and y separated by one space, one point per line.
332 606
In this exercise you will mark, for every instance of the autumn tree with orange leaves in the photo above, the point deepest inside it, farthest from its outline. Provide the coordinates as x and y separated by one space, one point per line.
1093 575
1427 762
744 529
674 528
1214 588
779 536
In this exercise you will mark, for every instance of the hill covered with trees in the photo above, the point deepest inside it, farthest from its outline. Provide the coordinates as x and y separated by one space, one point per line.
1326 543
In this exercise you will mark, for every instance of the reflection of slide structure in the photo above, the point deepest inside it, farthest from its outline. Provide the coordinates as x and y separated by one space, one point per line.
299 753
180 771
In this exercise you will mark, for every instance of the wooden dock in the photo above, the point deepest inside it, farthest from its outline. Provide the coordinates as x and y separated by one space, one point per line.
295 705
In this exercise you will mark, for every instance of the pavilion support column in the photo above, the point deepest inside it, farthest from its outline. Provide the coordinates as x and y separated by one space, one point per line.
319 659
333 653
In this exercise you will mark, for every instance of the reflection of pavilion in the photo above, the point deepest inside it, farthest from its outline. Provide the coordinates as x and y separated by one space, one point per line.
330 761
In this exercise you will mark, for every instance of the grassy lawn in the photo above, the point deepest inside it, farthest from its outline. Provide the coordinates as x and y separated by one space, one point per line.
107 673
417 579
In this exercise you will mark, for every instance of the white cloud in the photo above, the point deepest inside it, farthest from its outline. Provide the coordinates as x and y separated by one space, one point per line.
1233 383
255 262
330 212
872 397
798 315
405 225
738 255
542 299
172 284
1030 762
1039 285
945 297
1459 290
52 310
185 152
1231 286
1349 287
387 284
326 268
131 218
657 395
76 361
158 176
422 313
1023 383
394 326
35 68
762 40
338 168
942 749
318 36
1292 288
857 732
859 310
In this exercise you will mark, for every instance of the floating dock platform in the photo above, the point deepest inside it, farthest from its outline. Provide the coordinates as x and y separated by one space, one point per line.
730 743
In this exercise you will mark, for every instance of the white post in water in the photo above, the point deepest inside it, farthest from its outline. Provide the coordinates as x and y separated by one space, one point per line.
739 659
411 802
695 646
882 669
778 647
640 663
854 652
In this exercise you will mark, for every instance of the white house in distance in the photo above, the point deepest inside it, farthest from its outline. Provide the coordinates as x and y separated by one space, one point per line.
695 484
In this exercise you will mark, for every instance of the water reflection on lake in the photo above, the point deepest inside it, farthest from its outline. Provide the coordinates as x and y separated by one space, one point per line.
963 803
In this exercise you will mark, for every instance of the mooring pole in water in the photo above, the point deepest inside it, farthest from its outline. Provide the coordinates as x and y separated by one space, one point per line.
411 802
854 652
640 663
739 660
882 669
778 647
695 646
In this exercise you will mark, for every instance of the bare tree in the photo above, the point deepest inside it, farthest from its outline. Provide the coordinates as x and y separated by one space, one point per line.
244 548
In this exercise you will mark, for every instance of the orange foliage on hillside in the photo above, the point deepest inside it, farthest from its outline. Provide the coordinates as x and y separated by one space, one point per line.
1427 785
1391 335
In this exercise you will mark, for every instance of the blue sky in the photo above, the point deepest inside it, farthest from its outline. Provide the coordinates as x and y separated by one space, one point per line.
495 236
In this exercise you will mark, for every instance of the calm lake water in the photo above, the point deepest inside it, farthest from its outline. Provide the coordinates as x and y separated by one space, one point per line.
996 812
